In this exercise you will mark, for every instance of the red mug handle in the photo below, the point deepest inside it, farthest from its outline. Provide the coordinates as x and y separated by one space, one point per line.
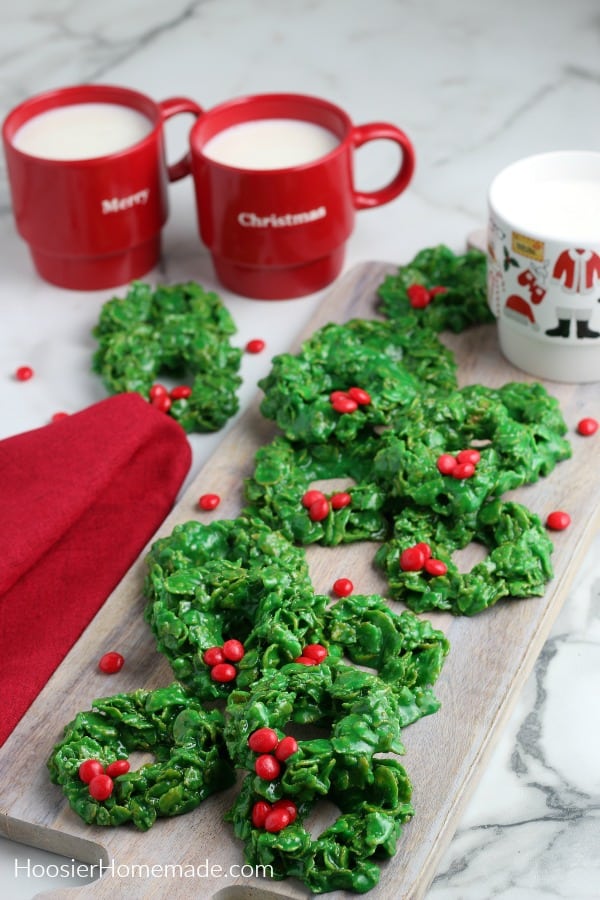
172 107
376 131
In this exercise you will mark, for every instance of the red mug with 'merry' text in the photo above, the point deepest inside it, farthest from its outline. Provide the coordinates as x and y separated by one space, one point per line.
88 179
275 195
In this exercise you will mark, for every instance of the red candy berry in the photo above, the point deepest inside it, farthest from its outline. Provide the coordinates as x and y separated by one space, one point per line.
213 656
316 651
438 289
24 373
89 768
587 427
285 748
277 820
101 787
57 416
263 740
233 650
267 767
471 455
558 520
181 392
363 398
289 806
157 391
435 567
318 510
412 559
208 502
463 470
256 345
339 500
259 813
418 296
223 672
306 660
446 464
425 548
344 404
111 662
162 402
118 767
310 497
343 587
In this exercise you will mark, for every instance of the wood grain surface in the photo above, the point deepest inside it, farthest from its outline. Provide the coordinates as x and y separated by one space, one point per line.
491 656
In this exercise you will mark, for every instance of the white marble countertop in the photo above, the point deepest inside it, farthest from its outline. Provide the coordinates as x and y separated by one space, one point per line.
475 85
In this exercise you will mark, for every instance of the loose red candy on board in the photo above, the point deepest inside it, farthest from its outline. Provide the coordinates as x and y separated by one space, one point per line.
223 672
208 502
101 787
587 426
111 662
343 587
267 767
118 767
89 768
558 520
24 373
256 345
233 650
263 740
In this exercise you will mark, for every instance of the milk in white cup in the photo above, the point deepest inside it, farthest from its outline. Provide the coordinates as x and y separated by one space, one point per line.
270 144
544 264
82 131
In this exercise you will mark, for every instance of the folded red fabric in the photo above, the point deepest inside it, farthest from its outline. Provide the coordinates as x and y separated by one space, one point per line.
80 498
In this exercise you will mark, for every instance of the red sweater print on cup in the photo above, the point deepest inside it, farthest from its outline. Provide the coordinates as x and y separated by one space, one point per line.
578 272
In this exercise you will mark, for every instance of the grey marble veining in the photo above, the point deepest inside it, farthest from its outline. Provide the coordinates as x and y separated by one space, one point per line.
475 85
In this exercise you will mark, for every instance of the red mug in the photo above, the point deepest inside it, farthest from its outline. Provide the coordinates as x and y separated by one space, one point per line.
92 221
277 230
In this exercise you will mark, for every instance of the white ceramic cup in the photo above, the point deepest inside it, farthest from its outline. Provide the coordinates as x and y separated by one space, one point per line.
543 270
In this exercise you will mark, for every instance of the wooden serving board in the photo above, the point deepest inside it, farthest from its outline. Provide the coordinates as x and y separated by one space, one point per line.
491 656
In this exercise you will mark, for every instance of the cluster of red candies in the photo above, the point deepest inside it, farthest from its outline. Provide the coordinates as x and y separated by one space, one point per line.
272 751
349 401
462 465
221 659
319 506
99 779
312 655
419 296
418 558
162 398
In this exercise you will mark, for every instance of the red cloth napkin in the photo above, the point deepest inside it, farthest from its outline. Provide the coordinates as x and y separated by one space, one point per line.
79 499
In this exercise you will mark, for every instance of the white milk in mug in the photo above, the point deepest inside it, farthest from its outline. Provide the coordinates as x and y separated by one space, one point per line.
82 131
270 144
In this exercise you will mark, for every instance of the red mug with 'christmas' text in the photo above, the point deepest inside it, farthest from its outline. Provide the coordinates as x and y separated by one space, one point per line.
275 196
88 179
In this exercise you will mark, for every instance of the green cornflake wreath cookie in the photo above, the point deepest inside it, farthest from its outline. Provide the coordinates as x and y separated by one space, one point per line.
453 295
374 356
283 471
518 563
180 331
185 739
231 579
359 717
